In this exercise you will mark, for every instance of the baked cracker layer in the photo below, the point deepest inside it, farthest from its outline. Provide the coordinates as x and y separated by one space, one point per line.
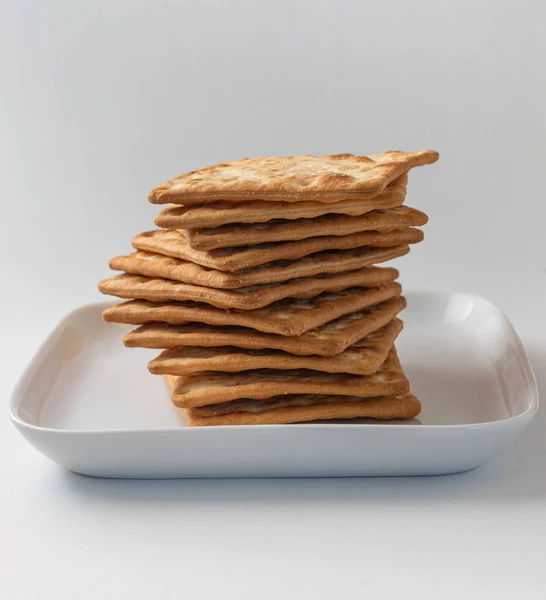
174 244
214 214
291 178
371 227
289 317
327 340
213 387
362 358
150 264
159 290
303 408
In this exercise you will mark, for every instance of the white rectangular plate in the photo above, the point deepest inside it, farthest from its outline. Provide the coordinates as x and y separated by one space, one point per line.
89 404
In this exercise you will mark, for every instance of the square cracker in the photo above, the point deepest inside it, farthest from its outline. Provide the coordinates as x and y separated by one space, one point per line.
327 340
374 225
214 387
250 298
302 408
156 265
175 245
289 317
291 178
362 358
215 214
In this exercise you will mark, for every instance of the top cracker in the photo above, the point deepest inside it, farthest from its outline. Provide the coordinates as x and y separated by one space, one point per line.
291 178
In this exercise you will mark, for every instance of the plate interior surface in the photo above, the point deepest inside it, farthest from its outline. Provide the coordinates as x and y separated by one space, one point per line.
462 357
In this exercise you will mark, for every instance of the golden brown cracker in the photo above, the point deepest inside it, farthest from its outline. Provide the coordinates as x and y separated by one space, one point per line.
289 317
303 408
151 264
362 358
257 296
215 214
291 178
212 387
327 340
379 239
250 234
174 244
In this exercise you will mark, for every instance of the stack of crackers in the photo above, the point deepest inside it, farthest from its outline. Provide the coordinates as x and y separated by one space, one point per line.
262 290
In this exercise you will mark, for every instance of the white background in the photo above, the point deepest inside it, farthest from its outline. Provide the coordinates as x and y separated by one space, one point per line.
100 101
